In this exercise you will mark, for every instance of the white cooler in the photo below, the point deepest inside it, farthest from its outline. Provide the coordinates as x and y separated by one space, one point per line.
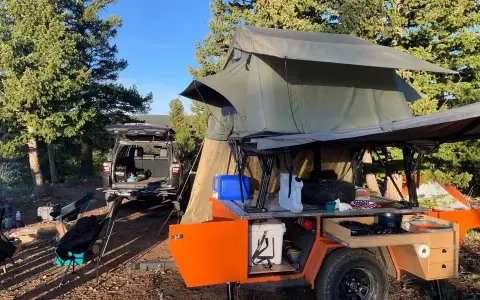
274 230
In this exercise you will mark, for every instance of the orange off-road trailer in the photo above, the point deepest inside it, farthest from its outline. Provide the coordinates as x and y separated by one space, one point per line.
216 252
334 260
280 90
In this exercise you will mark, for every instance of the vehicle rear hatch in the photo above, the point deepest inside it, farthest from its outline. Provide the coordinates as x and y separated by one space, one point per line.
156 155
138 130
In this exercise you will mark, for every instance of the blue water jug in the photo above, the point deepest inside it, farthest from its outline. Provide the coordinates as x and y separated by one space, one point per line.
227 187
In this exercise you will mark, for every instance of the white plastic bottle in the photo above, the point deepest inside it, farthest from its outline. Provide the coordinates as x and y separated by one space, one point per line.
18 216
294 202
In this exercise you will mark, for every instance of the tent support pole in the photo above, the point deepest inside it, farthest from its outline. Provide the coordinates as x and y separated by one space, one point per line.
237 157
357 167
410 166
317 160
231 291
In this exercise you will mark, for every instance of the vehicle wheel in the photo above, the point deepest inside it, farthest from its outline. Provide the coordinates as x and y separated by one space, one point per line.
351 274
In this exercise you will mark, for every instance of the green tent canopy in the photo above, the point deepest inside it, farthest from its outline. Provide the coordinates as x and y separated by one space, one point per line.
278 82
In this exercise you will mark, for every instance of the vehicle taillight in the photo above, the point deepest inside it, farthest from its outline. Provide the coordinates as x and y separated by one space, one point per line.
175 169
107 168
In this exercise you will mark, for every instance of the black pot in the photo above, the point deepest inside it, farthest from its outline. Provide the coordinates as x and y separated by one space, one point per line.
390 220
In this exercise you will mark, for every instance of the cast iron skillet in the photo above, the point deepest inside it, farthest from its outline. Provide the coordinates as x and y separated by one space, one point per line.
390 220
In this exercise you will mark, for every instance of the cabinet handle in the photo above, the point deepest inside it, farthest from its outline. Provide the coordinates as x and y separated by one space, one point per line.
177 236
444 251
444 266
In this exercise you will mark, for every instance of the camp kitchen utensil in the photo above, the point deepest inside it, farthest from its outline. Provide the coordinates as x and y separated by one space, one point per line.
389 220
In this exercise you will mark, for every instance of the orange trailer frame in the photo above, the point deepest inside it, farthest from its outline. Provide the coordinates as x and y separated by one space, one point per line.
216 252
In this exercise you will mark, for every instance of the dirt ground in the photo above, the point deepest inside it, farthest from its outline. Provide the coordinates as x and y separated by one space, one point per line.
34 275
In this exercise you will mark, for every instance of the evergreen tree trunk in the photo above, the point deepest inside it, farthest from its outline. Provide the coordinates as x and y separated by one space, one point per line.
370 178
35 166
86 168
52 164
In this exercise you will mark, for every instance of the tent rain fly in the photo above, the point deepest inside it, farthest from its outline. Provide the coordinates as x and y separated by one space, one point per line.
289 88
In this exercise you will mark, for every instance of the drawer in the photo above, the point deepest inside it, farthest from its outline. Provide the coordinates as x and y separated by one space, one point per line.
441 239
446 254
343 235
439 264
441 270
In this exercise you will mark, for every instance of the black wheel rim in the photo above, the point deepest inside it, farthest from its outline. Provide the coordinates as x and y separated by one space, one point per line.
356 284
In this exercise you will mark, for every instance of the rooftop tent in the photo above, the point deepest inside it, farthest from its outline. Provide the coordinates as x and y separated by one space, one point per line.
288 82
457 124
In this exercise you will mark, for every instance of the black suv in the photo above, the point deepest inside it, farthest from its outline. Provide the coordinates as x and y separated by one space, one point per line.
142 164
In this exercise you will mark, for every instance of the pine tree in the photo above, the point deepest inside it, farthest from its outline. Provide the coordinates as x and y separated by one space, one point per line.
210 53
186 144
109 101
305 15
41 78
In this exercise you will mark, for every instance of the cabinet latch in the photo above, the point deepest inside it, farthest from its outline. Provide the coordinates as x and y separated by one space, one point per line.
177 236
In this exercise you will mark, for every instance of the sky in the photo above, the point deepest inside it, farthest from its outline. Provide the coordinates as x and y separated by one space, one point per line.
158 41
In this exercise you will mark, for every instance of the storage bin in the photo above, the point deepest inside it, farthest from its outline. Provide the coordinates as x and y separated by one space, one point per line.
79 259
273 230
227 187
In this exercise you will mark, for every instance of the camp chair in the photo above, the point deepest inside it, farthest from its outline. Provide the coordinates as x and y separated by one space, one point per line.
83 235
7 248
68 214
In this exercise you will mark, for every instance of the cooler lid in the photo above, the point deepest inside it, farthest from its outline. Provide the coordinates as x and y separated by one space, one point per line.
267 225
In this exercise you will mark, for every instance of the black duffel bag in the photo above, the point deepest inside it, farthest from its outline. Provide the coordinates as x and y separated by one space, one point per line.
318 192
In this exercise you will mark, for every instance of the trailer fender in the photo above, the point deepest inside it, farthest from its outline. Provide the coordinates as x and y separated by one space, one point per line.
320 249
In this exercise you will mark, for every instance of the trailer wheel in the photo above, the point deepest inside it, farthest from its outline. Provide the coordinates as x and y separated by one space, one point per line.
351 274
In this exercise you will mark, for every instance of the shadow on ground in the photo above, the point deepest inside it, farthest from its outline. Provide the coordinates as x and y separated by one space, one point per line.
36 276
134 239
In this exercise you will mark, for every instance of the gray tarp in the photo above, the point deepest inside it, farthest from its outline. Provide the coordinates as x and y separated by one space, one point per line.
462 123
325 47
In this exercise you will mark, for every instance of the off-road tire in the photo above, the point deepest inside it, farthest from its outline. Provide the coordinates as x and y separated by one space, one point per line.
342 261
